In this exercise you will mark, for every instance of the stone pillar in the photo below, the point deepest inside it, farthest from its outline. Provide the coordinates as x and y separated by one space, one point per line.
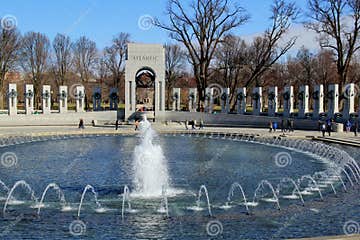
318 97
303 98
349 100
46 99
209 100
333 99
273 103
176 97
97 99
63 96
80 98
192 99
241 100
29 99
12 99
257 100
288 97
225 100
114 99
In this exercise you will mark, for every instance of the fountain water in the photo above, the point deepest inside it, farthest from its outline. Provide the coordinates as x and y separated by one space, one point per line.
198 201
164 208
296 188
275 197
21 183
60 196
4 186
126 197
89 187
150 164
231 194
315 185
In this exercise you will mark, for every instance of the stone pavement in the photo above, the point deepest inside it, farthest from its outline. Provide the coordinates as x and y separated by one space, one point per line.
161 128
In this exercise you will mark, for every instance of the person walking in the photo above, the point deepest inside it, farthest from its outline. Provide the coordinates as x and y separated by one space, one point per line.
328 127
283 125
275 126
291 127
356 127
186 125
117 125
323 129
81 124
270 126
348 126
201 124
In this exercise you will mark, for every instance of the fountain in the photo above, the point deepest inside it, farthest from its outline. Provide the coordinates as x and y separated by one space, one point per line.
275 197
10 200
89 187
150 165
296 188
337 170
315 188
198 201
231 194
126 197
164 208
60 194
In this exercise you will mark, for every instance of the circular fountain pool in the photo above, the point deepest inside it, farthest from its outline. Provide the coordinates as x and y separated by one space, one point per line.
270 176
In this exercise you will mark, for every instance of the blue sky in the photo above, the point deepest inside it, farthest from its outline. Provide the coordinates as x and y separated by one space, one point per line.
100 20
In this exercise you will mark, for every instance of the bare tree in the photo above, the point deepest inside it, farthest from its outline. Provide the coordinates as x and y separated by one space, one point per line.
63 58
35 52
306 62
85 57
174 62
337 23
201 27
230 59
114 57
9 46
266 50
85 61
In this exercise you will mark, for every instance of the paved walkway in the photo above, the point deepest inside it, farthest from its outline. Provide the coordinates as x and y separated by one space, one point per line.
162 128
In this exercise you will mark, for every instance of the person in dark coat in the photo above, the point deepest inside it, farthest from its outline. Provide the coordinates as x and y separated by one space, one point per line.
323 129
81 124
283 125
117 125
356 127
328 127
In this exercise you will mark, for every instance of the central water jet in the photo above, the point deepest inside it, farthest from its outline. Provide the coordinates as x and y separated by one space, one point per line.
150 165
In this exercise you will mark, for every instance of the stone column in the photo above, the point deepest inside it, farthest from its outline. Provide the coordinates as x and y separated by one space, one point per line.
80 98
12 99
114 99
318 97
192 99
349 100
288 97
225 98
273 103
176 97
209 100
257 100
29 99
303 98
241 100
333 99
63 95
46 99
97 99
